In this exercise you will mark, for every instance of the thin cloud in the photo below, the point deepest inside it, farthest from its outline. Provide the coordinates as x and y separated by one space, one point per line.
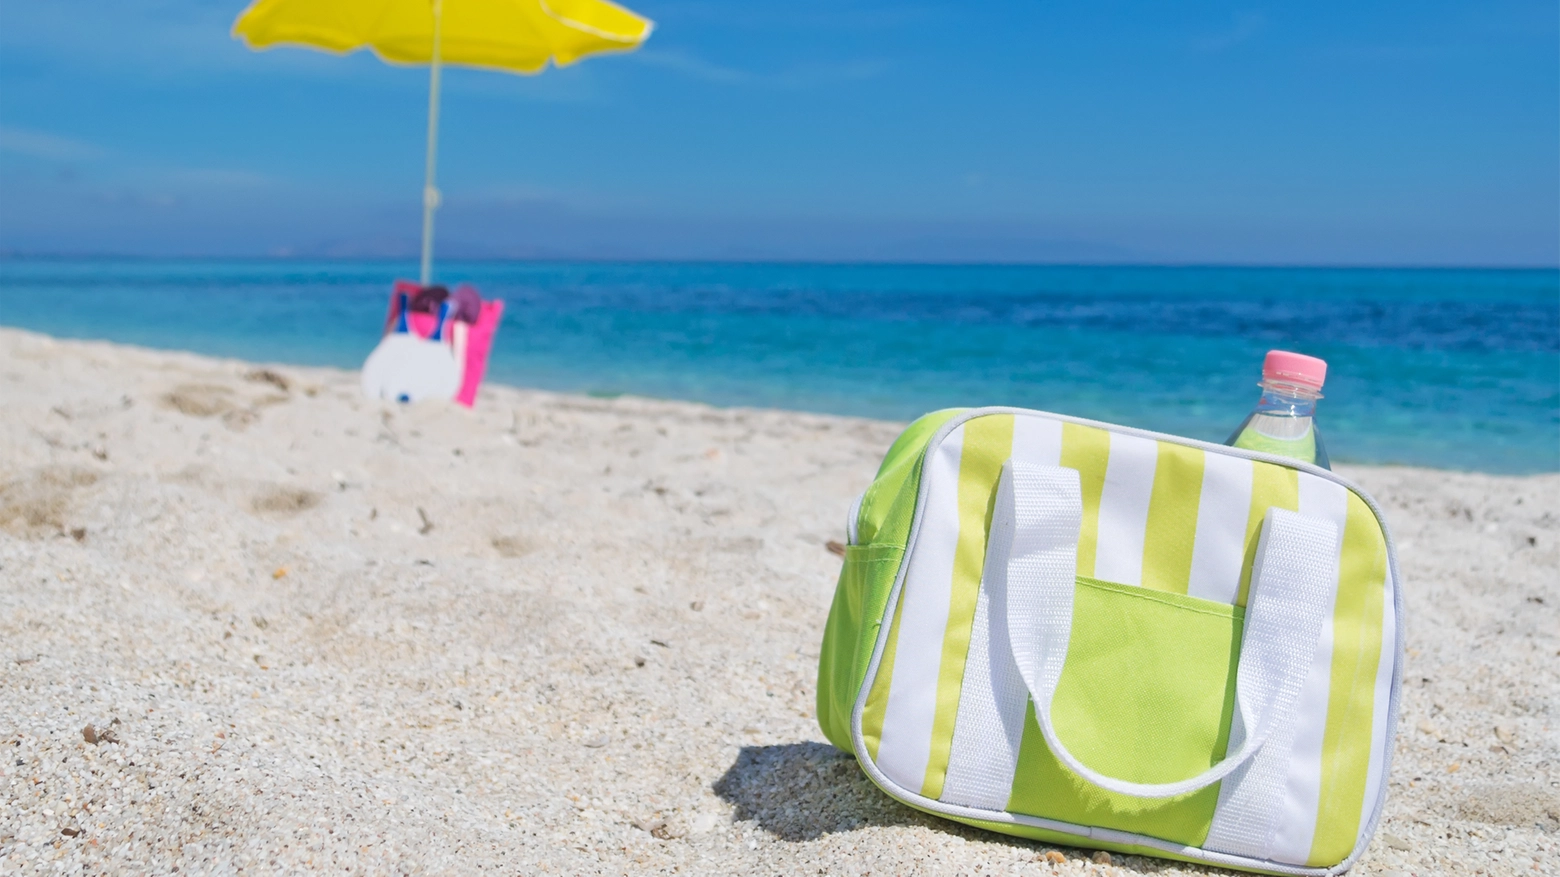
808 75
799 76
217 178
1396 54
158 34
697 68
1246 26
50 147
155 40
822 16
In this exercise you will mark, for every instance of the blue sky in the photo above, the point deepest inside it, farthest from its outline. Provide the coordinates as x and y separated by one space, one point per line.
1298 133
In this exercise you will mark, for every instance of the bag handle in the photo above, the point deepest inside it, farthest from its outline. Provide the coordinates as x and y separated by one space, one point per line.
403 303
438 327
403 320
1034 534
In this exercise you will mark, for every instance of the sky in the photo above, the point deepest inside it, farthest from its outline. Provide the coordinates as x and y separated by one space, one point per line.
1321 133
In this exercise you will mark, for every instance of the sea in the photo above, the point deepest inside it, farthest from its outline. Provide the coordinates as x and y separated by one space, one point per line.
1451 369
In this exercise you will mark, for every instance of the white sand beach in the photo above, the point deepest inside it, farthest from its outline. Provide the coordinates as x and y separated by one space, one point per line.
568 635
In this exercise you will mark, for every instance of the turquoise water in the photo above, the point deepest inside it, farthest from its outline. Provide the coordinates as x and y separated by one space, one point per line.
1456 369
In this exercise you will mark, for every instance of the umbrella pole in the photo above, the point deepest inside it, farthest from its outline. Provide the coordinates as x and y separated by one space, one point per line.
430 191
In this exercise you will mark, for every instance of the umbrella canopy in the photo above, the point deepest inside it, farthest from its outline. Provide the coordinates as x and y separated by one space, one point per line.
519 36
515 35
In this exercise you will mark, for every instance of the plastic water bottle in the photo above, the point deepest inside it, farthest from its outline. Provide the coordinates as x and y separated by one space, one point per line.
1284 420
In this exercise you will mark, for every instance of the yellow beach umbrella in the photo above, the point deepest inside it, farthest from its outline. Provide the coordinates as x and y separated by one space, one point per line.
516 36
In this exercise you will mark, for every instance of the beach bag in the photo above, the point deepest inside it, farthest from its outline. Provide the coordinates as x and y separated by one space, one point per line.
408 367
470 340
1097 636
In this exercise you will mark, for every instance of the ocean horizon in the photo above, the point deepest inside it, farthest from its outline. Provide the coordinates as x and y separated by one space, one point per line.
1439 367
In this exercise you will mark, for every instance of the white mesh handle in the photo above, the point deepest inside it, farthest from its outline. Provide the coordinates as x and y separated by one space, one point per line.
1034 532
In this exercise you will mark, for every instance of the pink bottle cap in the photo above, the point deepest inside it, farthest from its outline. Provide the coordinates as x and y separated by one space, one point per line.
1294 368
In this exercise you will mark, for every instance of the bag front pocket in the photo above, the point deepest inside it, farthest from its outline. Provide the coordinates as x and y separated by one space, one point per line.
1146 695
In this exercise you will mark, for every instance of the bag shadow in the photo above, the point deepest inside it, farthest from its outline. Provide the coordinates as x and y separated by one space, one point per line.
803 791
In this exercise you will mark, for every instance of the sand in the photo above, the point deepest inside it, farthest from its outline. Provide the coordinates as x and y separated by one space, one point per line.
567 635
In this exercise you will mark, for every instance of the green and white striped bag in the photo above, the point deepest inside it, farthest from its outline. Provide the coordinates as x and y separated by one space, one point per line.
1103 637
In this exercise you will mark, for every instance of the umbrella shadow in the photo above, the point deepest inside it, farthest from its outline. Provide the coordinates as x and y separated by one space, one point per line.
803 791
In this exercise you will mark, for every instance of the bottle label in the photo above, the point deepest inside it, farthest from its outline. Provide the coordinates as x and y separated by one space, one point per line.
1300 448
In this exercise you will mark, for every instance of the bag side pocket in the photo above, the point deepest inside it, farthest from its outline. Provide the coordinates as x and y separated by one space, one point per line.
851 633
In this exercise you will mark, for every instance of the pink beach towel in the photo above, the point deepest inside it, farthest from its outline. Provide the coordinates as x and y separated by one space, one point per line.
471 342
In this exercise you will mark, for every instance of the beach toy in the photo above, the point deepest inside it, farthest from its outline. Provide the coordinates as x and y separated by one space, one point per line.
1284 420
406 367
1098 636
473 323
